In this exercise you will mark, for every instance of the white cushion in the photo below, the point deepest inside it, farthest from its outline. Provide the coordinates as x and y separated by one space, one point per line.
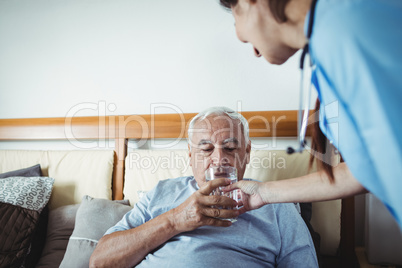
27 192
76 173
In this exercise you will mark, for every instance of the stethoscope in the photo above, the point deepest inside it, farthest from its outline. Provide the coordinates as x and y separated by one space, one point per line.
302 118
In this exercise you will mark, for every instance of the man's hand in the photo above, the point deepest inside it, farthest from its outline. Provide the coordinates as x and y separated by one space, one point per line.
251 194
197 210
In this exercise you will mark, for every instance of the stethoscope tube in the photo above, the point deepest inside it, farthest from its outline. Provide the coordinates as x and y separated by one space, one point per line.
302 118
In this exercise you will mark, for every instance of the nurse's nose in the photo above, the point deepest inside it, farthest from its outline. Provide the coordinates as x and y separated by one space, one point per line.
256 52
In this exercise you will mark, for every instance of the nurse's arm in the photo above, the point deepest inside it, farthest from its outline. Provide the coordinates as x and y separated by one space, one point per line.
315 187
309 188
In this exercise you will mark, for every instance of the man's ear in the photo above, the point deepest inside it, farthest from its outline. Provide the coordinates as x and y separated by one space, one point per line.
248 151
189 154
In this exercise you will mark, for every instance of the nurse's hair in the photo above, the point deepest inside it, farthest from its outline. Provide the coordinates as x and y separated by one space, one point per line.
320 144
277 7
220 111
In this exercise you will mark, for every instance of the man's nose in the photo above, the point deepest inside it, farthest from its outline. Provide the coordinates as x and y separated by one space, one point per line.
219 158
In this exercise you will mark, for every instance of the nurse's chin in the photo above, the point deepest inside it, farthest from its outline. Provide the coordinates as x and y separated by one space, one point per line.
276 60
280 58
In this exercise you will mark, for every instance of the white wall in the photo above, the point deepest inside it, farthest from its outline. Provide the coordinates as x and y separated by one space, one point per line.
89 57
97 57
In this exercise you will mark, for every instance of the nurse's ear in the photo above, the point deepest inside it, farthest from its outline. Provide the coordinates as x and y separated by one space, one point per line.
255 10
243 6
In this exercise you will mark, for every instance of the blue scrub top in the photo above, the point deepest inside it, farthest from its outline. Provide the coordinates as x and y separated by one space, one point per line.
356 46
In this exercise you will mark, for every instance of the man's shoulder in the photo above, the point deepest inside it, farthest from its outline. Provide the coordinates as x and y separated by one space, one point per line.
175 183
178 180
171 190
248 179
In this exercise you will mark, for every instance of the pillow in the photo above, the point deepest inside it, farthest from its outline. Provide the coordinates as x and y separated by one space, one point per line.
60 227
33 171
21 202
94 217
40 234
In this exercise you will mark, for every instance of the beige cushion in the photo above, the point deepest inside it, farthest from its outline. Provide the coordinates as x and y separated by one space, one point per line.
144 168
76 173
278 165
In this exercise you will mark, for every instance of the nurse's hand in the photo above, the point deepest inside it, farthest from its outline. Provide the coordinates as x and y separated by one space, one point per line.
253 194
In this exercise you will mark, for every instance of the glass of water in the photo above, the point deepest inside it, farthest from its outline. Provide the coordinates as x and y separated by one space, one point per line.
217 172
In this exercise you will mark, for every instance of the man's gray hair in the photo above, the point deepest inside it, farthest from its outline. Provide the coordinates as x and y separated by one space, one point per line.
219 111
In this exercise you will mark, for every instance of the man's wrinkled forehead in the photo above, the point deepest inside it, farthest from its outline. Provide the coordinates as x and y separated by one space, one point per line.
223 142
211 128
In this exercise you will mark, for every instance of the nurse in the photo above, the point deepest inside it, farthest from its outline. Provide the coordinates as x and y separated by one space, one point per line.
355 47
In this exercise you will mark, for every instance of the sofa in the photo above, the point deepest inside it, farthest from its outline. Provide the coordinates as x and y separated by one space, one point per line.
90 190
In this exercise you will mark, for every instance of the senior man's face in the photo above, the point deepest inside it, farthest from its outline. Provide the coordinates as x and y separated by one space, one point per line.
218 141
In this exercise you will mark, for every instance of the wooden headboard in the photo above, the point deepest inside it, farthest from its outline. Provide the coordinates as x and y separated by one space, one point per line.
157 126
125 127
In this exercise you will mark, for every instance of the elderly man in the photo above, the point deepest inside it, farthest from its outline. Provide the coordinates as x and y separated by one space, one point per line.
178 224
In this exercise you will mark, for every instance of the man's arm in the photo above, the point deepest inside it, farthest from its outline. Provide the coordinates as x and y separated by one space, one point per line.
128 248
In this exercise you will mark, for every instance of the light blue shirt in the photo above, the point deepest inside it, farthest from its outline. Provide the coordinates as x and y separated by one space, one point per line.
356 46
272 236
